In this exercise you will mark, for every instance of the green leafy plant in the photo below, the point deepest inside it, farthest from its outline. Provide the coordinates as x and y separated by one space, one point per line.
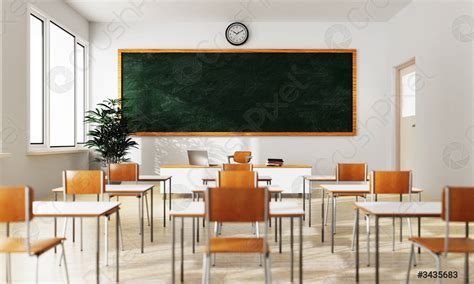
109 133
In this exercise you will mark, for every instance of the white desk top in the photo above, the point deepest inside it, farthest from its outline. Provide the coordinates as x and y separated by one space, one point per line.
153 178
285 209
321 178
128 188
192 209
401 209
120 188
72 209
362 187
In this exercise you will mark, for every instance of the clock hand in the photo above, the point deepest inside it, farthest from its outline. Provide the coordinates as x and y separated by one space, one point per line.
235 32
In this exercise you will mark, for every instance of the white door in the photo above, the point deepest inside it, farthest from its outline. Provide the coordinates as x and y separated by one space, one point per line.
407 88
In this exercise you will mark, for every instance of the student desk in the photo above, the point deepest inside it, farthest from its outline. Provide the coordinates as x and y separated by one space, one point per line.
136 189
84 209
390 210
277 209
188 177
163 179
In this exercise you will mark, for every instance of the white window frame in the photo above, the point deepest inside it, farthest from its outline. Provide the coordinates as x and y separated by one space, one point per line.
45 147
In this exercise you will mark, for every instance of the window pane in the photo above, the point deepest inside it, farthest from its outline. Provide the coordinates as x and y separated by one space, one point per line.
80 93
36 80
61 84
408 96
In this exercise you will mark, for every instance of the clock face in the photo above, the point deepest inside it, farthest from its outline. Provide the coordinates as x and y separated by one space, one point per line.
237 33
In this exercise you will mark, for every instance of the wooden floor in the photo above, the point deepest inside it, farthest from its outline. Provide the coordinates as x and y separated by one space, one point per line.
154 266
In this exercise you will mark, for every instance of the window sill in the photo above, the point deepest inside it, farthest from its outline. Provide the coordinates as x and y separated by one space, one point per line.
5 155
43 152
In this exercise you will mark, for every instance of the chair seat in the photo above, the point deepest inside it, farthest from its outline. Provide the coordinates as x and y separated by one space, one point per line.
275 190
198 190
18 245
237 245
436 245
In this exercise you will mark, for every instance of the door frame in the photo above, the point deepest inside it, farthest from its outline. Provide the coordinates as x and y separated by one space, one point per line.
398 109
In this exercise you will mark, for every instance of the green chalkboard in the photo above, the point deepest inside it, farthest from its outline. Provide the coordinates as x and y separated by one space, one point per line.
238 92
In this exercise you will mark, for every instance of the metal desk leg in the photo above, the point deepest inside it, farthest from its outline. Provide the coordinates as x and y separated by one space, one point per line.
164 204
376 249
322 215
301 251
97 252
357 244
182 249
304 197
419 223
276 229
141 222
309 201
194 236
332 222
55 221
106 240
169 190
151 211
117 249
291 249
173 247
280 233
73 223
197 230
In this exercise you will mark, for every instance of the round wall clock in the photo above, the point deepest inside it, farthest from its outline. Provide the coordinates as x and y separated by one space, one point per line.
237 33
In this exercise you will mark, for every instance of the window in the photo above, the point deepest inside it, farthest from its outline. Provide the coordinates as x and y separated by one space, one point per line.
36 80
80 92
61 87
58 96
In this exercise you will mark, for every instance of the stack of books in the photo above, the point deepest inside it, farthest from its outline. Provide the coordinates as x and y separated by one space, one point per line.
274 162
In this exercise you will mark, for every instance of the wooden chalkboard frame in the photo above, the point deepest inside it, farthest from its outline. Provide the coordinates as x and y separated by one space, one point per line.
354 90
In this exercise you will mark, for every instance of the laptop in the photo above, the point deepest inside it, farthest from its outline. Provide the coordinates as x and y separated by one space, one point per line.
198 158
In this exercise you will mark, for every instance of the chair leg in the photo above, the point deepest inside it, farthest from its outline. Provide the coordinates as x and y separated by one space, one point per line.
269 268
411 235
354 233
326 214
121 234
65 262
412 255
206 269
367 221
466 268
8 270
37 269
393 233
147 210
438 268
82 234
265 268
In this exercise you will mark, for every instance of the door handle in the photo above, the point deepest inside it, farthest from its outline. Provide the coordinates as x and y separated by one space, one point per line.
413 125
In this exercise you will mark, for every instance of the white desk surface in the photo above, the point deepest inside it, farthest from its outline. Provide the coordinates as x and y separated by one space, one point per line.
362 187
285 209
153 178
120 188
72 209
401 209
192 209
321 178
131 188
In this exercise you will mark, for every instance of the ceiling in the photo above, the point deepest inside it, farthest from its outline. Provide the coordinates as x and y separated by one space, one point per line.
238 10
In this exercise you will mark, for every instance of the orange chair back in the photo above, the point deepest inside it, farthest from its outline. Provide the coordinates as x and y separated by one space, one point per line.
237 167
457 204
351 172
391 182
84 182
15 202
242 157
233 205
123 172
237 179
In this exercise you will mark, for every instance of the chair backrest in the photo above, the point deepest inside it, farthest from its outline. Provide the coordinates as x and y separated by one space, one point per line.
83 182
234 205
123 172
16 204
237 179
457 204
351 172
391 182
242 157
237 167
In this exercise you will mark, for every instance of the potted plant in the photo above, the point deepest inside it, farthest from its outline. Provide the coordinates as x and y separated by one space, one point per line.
109 135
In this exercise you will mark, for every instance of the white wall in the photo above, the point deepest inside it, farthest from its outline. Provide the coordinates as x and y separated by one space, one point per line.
440 36
372 144
40 172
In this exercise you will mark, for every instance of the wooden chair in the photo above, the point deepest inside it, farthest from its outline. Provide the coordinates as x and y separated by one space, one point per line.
456 207
241 157
386 183
16 206
237 167
82 182
234 205
237 179
126 172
